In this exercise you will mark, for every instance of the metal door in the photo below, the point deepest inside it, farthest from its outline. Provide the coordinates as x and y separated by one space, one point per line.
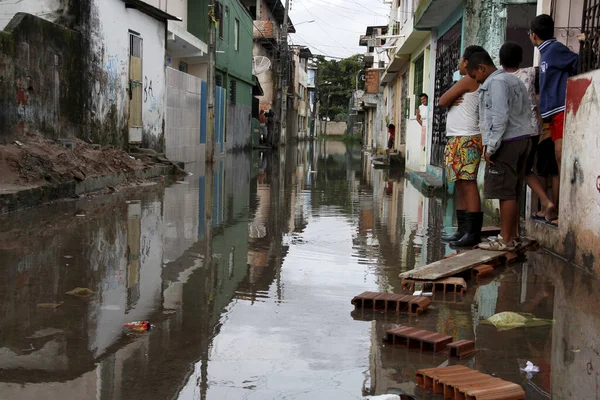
447 58
135 88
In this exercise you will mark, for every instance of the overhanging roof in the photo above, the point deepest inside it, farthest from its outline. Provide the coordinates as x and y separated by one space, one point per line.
150 10
182 44
430 14
402 56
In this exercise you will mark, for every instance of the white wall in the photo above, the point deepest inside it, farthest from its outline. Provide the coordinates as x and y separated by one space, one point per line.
178 8
113 45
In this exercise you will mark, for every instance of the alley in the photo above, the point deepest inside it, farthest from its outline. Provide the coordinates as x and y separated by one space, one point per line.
255 304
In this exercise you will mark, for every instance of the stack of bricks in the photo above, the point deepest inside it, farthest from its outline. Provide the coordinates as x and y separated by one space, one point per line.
372 81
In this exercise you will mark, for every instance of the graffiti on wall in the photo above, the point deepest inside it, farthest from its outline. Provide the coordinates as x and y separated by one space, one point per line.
147 89
598 183
24 93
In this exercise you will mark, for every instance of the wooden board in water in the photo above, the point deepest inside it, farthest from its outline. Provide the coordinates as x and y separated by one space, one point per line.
459 263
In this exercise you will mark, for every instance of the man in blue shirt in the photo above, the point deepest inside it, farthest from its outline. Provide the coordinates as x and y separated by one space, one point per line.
557 65
505 122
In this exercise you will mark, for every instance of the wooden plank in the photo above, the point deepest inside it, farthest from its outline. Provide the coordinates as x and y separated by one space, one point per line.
453 265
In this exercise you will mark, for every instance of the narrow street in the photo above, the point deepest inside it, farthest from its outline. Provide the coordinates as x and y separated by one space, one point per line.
256 305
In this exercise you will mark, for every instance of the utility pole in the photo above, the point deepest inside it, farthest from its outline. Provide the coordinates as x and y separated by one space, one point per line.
212 55
283 77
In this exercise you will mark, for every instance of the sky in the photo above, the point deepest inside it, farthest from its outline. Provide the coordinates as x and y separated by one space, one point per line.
338 24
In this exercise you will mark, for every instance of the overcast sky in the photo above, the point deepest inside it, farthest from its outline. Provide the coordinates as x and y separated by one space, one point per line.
338 24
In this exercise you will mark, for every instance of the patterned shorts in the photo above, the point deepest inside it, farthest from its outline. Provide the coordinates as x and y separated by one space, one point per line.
462 156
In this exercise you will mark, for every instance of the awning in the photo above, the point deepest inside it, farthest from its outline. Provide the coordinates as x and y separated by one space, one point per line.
432 13
150 10
182 44
257 90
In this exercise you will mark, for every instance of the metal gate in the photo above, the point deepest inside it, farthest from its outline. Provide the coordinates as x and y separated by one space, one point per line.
590 27
404 106
447 58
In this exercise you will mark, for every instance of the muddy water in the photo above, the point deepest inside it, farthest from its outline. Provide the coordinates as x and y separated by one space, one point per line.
246 272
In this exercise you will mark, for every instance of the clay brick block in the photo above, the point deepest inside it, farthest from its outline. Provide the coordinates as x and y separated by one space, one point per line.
446 285
462 383
482 270
461 349
510 257
419 339
389 301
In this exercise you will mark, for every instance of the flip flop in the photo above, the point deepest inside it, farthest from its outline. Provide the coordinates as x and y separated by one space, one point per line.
552 222
536 215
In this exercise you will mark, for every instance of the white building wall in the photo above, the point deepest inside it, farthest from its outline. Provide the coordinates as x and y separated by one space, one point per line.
46 9
112 43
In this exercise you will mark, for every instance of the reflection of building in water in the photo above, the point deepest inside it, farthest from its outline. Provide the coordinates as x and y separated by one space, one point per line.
134 236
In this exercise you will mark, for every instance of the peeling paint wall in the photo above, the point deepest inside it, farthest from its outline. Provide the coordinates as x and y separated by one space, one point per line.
578 235
40 78
110 72
485 25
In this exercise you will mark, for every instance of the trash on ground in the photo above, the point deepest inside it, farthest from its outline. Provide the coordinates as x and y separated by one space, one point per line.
509 320
19 143
110 308
139 326
80 215
81 292
51 306
530 369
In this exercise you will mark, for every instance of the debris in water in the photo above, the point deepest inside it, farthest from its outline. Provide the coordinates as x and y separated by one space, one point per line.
509 320
530 369
110 308
80 215
68 257
45 333
19 143
139 326
81 292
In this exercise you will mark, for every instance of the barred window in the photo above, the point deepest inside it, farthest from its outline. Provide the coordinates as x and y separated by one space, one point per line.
418 84
232 91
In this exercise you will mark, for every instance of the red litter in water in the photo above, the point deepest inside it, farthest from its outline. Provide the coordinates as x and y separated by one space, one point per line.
139 325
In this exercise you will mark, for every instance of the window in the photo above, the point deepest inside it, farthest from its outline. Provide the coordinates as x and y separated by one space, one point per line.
371 49
183 67
236 34
219 80
232 91
418 84
219 17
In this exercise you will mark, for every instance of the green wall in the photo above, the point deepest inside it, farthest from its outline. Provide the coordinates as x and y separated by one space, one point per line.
236 63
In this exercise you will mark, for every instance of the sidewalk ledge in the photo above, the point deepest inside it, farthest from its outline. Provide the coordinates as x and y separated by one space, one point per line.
426 183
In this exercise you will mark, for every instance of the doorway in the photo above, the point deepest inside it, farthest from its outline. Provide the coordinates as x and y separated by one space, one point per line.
135 88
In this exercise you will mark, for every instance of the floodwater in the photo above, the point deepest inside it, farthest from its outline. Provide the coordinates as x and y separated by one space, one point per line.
246 273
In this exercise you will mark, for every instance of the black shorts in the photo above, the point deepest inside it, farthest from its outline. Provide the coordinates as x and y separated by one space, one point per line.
504 178
390 144
546 159
531 157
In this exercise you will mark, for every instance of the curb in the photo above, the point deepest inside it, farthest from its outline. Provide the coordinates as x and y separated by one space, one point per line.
43 194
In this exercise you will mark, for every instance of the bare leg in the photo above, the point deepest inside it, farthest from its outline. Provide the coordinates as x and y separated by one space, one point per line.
558 152
470 195
555 188
548 207
509 213
461 195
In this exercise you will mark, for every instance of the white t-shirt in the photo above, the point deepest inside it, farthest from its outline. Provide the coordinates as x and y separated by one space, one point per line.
527 76
463 119
423 110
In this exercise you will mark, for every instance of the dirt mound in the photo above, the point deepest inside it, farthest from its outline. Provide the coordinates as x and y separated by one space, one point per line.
32 160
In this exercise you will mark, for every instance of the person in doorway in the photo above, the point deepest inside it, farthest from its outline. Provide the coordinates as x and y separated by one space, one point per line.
422 110
505 122
463 152
262 119
557 65
511 55
392 136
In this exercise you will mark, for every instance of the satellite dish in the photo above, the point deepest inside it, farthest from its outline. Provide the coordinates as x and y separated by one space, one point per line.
260 64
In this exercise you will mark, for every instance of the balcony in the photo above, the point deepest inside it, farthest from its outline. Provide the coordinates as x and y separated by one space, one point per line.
266 31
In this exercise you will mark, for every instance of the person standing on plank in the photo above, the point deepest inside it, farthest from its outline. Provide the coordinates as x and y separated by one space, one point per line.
505 121
463 152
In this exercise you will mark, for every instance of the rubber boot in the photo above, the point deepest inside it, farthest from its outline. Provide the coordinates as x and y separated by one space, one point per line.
473 234
461 217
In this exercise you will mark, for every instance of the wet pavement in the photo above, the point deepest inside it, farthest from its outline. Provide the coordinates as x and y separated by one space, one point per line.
246 273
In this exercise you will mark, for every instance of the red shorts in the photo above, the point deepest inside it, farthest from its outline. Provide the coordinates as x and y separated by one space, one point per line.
557 126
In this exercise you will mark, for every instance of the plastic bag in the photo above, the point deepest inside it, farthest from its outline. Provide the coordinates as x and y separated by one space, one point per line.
510 320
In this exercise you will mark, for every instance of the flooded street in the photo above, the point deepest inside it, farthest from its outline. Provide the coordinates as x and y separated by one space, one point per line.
246 273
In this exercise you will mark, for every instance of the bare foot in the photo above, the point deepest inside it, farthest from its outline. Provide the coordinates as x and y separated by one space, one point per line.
551 212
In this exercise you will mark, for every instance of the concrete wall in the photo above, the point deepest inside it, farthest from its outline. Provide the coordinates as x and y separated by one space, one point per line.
334 128
578 237
182 123
266 79
41 86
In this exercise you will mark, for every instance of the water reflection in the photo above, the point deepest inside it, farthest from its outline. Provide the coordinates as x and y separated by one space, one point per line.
246 271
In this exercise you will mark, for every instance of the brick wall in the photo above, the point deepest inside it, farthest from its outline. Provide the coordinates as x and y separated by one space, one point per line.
372 81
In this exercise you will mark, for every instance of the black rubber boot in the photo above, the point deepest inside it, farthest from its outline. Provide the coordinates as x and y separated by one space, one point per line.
461 217
473 234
